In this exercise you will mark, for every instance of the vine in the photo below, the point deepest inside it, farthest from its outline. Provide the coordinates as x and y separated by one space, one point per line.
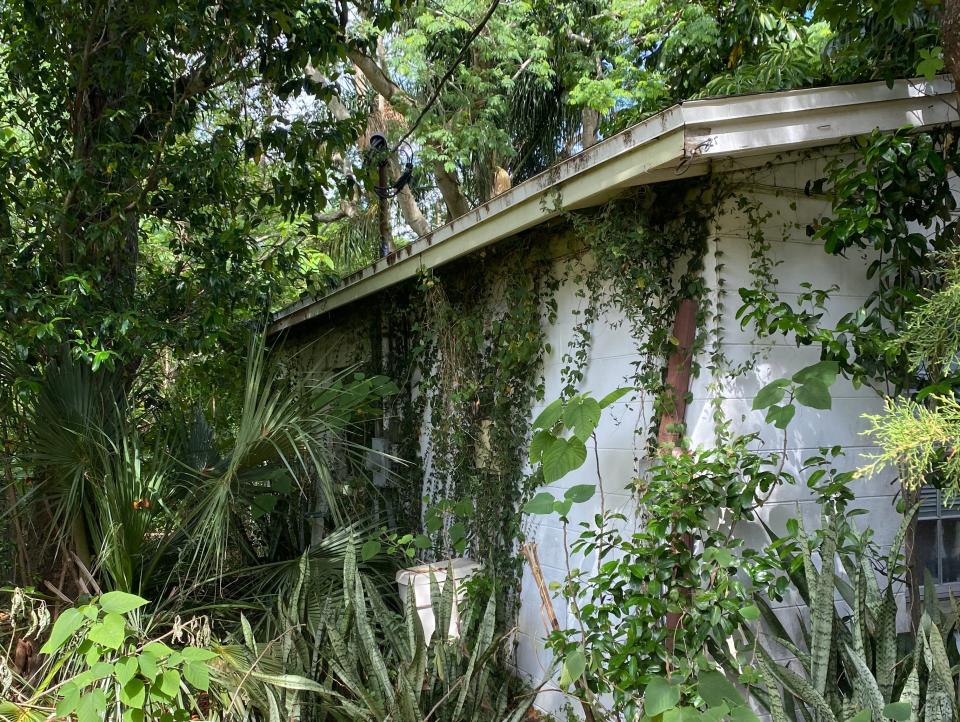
647 253
475 371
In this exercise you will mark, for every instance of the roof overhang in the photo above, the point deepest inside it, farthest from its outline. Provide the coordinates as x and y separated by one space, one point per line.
684 139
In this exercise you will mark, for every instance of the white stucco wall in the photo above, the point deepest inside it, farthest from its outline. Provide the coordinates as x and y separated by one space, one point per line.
620 452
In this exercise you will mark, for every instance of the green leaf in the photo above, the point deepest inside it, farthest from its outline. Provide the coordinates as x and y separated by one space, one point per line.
548 418
582 414
539 443
169 683
369 550
716 689
197 675
157 649
196 654
899 711
133 715
121 602
422 541
109 632
615 396
580 493
148 665
781 416
542 503
562 457
134 693
822 372
750 612
92 706
815 395
562 506
574 665
770 394
125 669
67 623
69 701
659 696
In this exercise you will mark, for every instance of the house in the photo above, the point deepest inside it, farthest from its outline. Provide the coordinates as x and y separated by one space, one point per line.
540 244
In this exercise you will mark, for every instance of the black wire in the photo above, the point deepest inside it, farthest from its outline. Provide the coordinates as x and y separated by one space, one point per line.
446 76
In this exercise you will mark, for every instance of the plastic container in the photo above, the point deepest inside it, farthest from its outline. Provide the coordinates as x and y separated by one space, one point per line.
419 577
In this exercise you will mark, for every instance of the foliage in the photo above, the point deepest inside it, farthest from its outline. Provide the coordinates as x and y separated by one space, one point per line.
105 660
659 598
647 252
851 661
919 435
470 353
893 203
142 498
156 182
378 665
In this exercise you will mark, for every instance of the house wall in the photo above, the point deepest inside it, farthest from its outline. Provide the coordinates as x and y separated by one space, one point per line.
779 192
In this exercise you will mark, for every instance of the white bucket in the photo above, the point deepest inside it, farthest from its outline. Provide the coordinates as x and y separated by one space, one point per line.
419 577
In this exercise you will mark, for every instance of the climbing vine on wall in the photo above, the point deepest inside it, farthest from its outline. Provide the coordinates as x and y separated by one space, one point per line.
646 256
475 367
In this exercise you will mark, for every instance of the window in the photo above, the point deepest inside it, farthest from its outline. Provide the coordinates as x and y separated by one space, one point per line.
938 536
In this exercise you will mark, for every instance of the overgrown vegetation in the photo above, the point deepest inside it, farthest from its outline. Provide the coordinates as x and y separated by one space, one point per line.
193 528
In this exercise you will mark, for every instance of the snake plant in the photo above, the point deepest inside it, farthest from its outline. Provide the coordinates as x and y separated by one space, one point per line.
378 667
849 662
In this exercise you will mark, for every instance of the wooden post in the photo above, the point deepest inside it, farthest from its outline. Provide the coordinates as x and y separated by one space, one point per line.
678 385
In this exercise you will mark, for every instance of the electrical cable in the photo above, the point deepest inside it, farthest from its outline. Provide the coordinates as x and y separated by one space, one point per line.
446 76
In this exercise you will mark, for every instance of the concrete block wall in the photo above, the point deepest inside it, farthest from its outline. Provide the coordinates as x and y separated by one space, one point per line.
620 452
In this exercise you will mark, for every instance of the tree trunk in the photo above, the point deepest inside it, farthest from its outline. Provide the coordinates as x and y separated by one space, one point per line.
950 37
591 126
449 187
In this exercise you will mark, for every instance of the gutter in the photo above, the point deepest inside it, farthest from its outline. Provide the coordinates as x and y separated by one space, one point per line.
682 140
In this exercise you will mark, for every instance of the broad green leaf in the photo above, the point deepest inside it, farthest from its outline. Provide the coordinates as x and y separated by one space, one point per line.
109 632
148 665
539 443
69 701
582 414
574 665
67 623
781 416
157 649
197 675
750 612
716 689
823 373
899 711
121 602
542 503
562 506
580 493
133 693
125 669
815 395
659 696
196 654
548 418
615 396
92 706
169 683
369 550
422 541
770 394
562 457
133 715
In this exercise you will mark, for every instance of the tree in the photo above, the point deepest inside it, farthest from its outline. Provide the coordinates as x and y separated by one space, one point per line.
159 163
